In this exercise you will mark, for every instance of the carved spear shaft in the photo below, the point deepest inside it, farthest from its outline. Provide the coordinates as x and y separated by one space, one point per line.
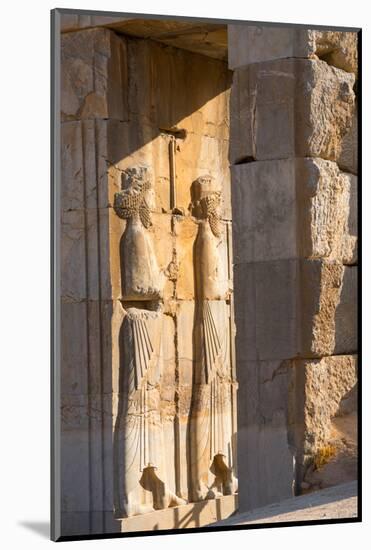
172 150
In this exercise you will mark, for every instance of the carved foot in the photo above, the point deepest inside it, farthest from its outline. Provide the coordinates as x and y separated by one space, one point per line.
174 500
230 485
213 493
201 492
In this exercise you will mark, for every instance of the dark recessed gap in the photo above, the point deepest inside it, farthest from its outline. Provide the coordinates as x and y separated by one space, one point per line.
245 160
178 133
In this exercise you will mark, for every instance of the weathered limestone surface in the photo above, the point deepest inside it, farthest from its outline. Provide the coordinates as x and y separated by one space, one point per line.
146 281
92 75
254 44
180 517
266 310
309 101
294 188
346 317
319 298
150 74
208 39
148 370
348 159
288 308
292 208
325 382
264 450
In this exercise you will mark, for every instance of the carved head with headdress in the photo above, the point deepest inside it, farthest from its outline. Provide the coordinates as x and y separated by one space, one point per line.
207 202
132 201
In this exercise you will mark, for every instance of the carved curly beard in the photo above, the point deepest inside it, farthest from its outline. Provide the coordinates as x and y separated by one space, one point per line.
210 205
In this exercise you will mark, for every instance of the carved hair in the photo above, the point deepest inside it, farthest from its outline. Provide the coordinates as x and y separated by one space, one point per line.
208 200
210 205
131 201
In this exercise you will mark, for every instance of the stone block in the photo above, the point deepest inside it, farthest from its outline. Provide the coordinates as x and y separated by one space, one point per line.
337 48
73 255
325 211
286 308
346 317
89 151
293 208
309 101
266 310
264 211
191 515
263 437
74 349
326 382
351 242
193 100
89 348
75 485
85 261
73 22
93 75
348 158
254 44
320 288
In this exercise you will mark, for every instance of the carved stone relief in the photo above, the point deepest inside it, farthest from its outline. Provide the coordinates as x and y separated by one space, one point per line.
212 463
143 479
141 275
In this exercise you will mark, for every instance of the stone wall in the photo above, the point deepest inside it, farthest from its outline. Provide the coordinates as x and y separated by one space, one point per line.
281 153
293 158
124 101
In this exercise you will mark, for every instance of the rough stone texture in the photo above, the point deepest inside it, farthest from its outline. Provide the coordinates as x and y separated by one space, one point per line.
254 44
348 158
342 465
325 222
150 74
326 382
264 211
320 288
337 48
108 129
266 309
294 229
133 103
84 248
74 22
346 339
206 39
286 308
180 517
309 101
351 243
263 440
91 74
293 208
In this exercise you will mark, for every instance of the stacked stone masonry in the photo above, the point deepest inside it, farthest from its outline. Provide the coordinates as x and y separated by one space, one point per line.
165 155
293 156
146 262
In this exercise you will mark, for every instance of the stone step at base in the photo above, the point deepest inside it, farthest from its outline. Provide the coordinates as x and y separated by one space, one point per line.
196 514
